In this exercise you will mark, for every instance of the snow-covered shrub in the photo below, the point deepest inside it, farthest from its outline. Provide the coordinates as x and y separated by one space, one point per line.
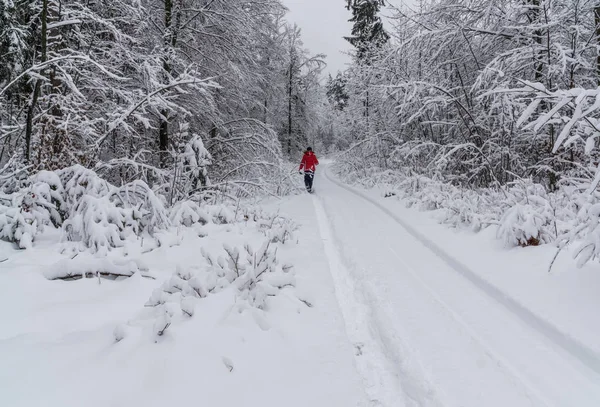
98 223
190 178
187 306
16 226
196 160
78 181
256 274
461 213
103 216
589 249
14 176
162 323
221 214
120 332
187 213
25 214
45 202
276 228
528 217
46 185
523 226
263 276
283 232
145 209
520 226
586 232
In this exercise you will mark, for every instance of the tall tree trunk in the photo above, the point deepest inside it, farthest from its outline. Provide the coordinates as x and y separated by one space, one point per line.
597 22
38 84
29 125
163 131
537 37
290 82
367 108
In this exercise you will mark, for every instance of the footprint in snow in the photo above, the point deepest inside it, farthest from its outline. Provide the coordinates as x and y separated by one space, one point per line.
228 363
359 348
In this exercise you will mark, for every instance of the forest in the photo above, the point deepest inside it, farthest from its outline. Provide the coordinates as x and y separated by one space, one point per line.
158 248
487 103
129 88
486 109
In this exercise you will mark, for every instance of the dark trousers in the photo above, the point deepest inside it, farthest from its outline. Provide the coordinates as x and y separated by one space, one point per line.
308 180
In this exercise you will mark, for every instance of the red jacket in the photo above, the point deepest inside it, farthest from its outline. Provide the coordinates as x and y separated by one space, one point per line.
309 162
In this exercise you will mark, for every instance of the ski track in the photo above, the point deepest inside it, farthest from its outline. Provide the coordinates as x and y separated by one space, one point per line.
373 303
377 354
585 355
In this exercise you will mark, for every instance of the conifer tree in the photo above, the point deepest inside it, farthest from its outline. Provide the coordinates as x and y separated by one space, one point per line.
367 31
336 91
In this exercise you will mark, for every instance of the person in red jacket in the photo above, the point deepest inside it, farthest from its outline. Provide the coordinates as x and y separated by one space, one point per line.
308 165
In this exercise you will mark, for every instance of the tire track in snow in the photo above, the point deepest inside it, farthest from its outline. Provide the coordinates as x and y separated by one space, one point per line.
569 345
472 333
389 382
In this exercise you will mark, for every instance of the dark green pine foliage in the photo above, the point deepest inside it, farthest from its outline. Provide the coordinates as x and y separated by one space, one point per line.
367 31
336 91
17 23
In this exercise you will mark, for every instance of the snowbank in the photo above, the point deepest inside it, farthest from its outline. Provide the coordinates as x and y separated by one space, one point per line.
567 297
225 318
525 214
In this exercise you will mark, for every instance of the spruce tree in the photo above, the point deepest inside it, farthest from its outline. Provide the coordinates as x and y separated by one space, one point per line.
367 30
336 91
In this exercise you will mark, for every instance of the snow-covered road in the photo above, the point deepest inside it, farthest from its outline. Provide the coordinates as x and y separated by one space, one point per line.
388 309
428 331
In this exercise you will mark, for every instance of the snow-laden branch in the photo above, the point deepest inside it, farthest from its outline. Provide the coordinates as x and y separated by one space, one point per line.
41 66
207 82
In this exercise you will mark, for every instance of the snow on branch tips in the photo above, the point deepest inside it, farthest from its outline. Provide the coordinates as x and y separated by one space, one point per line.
573 111
247 159
252 275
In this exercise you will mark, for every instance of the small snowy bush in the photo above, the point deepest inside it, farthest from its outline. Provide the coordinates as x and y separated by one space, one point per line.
145 208
283 233
523 226
587 233
221 214
188 213
98 223
196 159
276 228
103 217
78 181
14 176
190 177
256 274
18 227
263 276
252 276
26 213
50 194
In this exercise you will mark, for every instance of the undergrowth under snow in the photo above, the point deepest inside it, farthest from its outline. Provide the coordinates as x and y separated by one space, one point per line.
109 286
108 232
523 213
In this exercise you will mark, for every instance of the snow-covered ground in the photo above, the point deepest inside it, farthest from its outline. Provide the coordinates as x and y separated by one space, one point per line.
460 320
58 347
389 309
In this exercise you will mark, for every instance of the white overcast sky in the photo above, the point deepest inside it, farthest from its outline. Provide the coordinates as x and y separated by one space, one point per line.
324 23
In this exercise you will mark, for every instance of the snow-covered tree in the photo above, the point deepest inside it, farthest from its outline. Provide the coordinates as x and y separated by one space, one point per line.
124 87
